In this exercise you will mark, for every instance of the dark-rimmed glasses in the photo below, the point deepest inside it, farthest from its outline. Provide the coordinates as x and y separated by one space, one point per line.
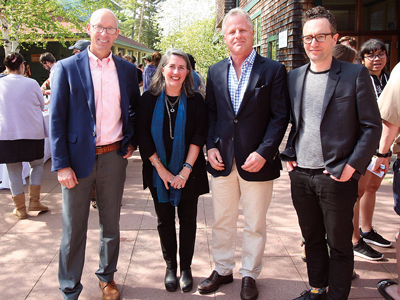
100 29
320 38
372 57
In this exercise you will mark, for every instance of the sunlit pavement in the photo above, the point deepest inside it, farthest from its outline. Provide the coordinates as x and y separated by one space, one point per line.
29 248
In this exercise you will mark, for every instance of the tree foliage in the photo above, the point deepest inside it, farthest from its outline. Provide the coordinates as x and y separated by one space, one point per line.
130 20
198 40
35 21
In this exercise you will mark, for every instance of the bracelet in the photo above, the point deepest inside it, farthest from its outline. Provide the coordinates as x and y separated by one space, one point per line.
389 154
156 161
187 165
182 176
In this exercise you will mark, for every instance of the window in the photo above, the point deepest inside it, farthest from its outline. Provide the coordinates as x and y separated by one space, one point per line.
380 15
345 12
272 45
257 34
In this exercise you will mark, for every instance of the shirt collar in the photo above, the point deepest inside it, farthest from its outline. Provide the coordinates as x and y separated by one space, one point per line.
93 58
249 59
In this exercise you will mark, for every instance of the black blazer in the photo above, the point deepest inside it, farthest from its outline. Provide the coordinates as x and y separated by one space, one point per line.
195 133
350 121
260 123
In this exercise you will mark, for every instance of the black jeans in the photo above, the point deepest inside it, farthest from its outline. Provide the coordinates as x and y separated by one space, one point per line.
187 214
325 211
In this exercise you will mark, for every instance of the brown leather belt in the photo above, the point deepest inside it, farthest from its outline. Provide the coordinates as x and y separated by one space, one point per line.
108 148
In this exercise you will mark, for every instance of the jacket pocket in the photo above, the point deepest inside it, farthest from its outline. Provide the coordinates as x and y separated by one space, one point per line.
72 137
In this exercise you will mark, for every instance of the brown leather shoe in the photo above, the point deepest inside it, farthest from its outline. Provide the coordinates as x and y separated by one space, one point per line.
249 289
212 283
110 290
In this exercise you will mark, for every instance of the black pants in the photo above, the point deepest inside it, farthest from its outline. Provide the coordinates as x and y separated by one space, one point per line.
187 214
325 211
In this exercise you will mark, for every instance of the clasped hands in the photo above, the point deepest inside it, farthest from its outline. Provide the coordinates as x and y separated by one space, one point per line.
177 182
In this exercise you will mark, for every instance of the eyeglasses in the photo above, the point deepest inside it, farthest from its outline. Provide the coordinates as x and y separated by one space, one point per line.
320 38
372 57
100 29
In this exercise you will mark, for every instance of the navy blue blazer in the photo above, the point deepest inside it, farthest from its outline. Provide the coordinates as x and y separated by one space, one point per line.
260 123
73 114
350 122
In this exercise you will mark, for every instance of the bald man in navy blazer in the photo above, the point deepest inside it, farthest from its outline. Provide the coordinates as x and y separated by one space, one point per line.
94 97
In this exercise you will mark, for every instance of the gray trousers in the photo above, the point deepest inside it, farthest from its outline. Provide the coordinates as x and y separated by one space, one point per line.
109 173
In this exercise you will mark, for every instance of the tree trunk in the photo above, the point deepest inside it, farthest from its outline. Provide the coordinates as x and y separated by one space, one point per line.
141 21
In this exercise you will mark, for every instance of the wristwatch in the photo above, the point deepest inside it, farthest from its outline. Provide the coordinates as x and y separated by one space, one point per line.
389 154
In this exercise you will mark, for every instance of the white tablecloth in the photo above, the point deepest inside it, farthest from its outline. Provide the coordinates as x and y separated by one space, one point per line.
5 184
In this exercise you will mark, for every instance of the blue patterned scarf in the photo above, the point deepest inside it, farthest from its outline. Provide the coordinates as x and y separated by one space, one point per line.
172 195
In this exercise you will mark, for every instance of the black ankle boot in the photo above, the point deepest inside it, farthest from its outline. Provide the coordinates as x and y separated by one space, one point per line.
171 282
186 280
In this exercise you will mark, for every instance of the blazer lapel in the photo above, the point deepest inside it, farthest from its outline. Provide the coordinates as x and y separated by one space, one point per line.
83 67
253 79
122 79
333 79
296 91
224 84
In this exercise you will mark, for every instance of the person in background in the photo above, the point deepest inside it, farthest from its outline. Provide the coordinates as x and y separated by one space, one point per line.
373 57
389 105
172 129
132 59
28 72
199 83
152 64
348 41
344 53
140 67
248 111
48 61
91 136
22 133
79 46
335 130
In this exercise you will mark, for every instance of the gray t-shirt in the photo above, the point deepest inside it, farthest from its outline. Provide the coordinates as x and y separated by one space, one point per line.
308 145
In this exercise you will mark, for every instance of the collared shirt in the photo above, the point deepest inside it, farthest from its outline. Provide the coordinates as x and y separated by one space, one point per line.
238 87
107 99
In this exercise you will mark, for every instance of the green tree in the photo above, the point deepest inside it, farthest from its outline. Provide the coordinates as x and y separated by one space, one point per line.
34 21
137 21
197 39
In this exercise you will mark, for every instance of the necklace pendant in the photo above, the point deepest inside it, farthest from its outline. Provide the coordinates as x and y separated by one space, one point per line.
172 110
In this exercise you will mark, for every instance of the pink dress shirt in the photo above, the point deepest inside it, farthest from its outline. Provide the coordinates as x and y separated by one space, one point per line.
107 99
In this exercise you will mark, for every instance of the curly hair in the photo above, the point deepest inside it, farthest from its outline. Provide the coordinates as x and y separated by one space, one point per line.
318 13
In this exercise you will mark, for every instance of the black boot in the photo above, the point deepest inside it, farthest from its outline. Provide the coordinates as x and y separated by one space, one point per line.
171 282
186 280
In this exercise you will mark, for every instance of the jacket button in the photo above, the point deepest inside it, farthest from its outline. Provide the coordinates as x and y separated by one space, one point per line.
235 121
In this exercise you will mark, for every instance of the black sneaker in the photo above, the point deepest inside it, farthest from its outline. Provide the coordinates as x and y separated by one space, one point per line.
307 295
362 249
372 237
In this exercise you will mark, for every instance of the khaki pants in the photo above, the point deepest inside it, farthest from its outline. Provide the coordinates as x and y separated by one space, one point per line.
256 197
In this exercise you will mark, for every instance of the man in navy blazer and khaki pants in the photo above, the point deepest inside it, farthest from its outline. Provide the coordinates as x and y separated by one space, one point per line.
94 96
248 114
